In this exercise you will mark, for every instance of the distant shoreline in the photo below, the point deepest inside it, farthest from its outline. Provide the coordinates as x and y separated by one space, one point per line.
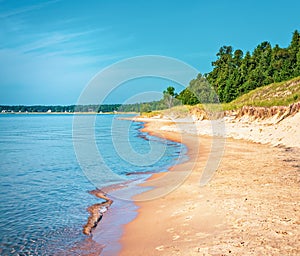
68 113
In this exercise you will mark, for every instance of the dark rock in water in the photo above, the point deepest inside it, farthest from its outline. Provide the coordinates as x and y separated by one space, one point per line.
96 211
138 173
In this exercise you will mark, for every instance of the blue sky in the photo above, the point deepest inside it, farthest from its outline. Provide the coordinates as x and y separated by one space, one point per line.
49 50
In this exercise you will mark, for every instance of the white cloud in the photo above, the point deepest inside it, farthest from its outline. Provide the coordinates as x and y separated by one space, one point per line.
47 69
25 9
57 62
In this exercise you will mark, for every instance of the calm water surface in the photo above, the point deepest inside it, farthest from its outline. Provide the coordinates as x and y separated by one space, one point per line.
43 189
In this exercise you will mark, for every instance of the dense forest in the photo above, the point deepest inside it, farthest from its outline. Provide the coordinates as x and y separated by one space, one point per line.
234 74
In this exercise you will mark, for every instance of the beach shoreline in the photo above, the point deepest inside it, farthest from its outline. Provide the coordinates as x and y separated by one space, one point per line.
115 208
247 208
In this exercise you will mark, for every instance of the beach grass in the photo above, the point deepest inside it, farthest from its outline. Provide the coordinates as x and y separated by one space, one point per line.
275 94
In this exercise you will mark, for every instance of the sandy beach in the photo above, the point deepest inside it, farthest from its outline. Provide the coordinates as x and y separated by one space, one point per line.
250 206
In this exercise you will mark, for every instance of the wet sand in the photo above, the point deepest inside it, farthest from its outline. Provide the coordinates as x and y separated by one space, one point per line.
249 207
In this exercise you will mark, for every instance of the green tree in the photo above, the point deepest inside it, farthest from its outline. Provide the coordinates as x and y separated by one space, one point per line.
198 91
169 96
145 107
294 50
234 74
261 58
280 64
297 67
187 97
223 67
202 89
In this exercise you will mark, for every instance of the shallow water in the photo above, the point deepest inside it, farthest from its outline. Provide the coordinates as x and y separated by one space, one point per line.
44 190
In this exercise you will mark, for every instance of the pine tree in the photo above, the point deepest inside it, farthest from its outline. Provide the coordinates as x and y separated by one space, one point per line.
294 49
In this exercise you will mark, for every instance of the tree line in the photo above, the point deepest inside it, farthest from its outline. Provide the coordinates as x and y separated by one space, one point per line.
105 108
235 73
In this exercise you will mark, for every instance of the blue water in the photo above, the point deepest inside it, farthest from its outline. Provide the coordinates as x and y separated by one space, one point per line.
43 188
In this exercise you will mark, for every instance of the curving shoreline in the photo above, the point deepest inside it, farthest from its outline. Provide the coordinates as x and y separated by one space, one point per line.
249 207
97 210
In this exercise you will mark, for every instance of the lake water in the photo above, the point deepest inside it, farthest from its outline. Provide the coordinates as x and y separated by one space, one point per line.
44 191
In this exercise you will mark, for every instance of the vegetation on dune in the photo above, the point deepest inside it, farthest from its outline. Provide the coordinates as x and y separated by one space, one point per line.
275 94
267 77
235 74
